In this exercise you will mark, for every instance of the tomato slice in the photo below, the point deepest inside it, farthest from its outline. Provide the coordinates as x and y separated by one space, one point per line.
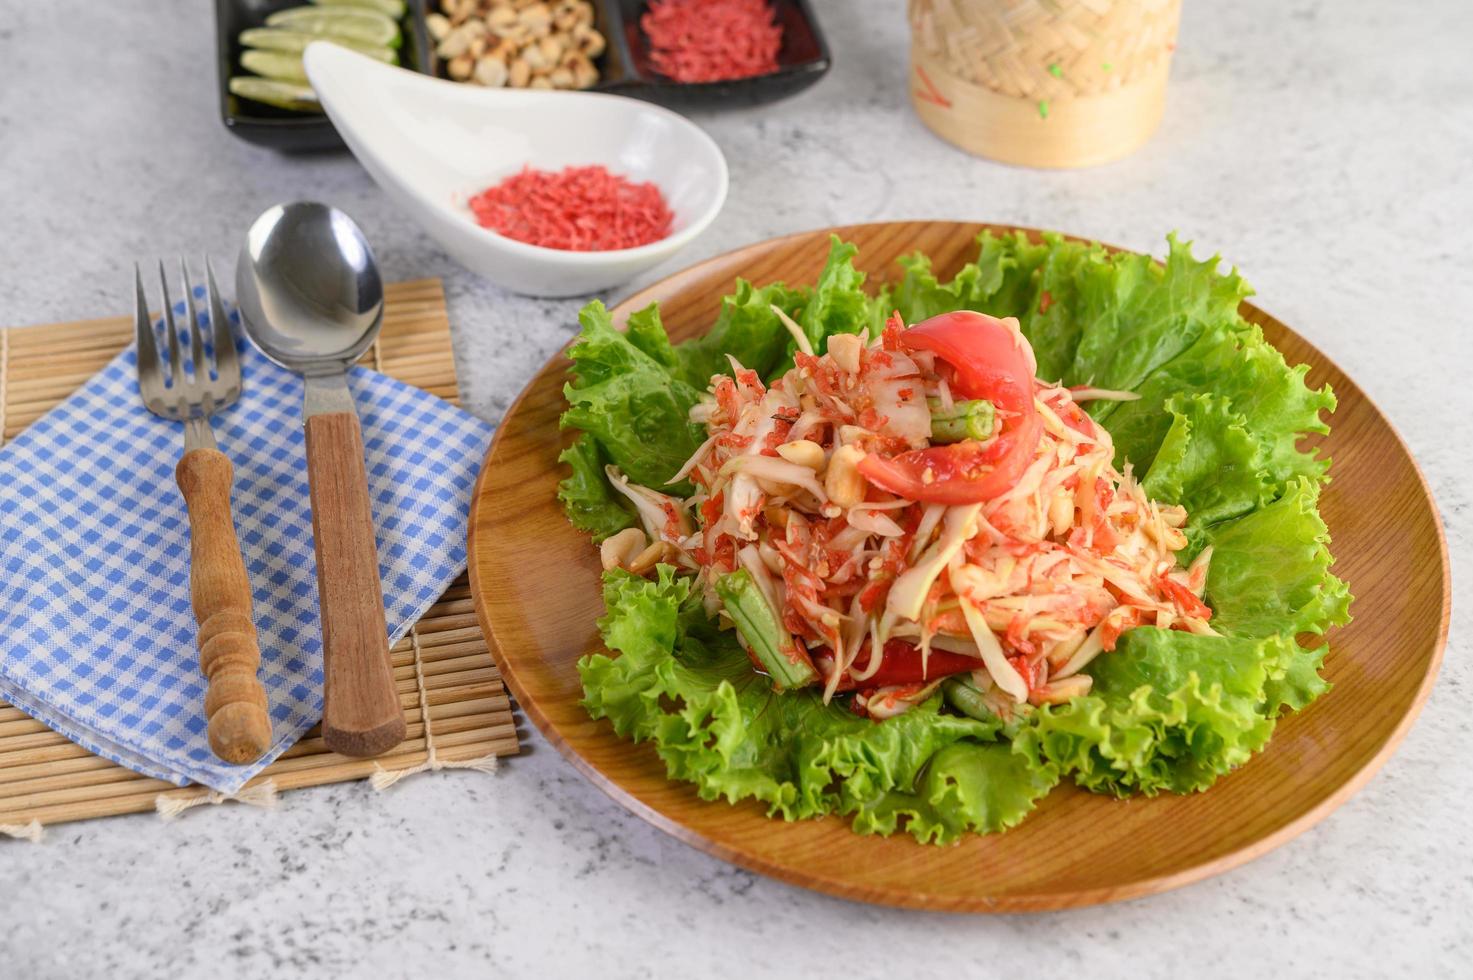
900 663
988 359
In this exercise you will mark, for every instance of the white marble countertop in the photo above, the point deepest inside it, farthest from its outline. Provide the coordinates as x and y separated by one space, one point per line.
1322 147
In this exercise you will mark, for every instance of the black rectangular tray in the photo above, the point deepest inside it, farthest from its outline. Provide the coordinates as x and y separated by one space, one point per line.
624 68
802 60
282 129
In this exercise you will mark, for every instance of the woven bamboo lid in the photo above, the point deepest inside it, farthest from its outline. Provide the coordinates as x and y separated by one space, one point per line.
1045 83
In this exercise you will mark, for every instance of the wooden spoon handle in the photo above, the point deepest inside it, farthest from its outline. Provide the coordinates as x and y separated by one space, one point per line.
361 715
235 703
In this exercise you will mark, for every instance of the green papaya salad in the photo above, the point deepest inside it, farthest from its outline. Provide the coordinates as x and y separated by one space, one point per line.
915 555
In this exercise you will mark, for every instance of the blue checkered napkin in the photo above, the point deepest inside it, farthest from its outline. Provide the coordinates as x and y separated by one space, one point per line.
97 638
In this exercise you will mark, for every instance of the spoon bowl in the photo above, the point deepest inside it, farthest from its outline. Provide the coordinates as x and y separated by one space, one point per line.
433 144
309 288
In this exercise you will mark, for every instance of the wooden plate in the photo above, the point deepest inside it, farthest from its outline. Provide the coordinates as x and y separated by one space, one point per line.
535 581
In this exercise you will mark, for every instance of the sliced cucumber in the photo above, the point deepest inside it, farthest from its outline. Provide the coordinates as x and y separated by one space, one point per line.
295 42
283 95
353 23
280 65
389 8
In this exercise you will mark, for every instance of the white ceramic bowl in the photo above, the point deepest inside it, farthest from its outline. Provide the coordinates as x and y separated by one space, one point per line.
433 144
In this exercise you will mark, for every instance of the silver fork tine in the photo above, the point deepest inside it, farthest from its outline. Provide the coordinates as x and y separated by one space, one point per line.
148 349
227 362
196 344
175 372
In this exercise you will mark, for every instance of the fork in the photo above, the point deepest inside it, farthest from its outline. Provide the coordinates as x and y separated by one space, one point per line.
235 701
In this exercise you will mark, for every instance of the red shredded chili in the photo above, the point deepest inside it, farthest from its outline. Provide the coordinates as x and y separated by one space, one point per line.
712 40
580 209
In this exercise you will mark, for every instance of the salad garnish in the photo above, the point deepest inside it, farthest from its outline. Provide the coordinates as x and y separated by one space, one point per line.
917 507
917 556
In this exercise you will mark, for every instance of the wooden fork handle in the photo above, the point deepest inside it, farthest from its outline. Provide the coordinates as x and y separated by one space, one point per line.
361 715
235 702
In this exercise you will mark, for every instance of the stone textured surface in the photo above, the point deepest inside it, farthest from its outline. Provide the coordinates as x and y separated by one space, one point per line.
1323 147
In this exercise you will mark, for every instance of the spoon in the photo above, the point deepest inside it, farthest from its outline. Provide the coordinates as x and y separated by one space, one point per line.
311 300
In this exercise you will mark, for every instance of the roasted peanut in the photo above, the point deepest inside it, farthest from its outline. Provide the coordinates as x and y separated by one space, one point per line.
553 41
584 74
589 41
501 19
534 59
536 18
565 15
649 557
459 10
503 50
844 348
1062 689
552 48
843 482
491 72
461 66
456 43
618 550
803 452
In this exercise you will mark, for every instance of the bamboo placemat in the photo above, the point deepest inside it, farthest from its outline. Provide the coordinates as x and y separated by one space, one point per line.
446 678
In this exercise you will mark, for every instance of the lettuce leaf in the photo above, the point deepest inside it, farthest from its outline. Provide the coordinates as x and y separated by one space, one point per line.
629 402
1011 277
1217 429
586 496
690 689
1209 463
747 329
839 303
1270 571
1137 314
1168 710
964 787
1233 363
646 331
